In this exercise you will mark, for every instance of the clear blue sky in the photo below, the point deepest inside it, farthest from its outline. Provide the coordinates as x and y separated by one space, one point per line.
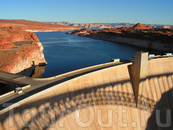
90 11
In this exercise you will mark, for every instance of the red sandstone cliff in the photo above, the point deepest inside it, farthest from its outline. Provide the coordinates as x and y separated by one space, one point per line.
19 50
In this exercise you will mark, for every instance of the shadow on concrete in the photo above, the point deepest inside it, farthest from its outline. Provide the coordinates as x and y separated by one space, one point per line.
162 116
67 103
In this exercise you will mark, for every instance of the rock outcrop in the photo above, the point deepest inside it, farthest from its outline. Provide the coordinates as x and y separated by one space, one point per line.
11 34
19 50
139 26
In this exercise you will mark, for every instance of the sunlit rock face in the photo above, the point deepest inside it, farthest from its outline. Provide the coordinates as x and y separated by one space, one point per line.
19 50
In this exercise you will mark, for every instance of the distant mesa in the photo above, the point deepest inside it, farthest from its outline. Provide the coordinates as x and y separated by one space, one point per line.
108 25
34 26
140 26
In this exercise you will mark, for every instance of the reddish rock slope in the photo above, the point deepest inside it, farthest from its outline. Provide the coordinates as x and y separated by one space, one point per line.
34 25
27 53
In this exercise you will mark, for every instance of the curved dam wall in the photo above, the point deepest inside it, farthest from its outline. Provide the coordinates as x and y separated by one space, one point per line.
104 99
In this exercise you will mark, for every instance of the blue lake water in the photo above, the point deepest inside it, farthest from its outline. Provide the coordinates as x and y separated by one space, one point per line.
66 53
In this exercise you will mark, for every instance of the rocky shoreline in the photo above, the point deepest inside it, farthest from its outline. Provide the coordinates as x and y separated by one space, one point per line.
138 35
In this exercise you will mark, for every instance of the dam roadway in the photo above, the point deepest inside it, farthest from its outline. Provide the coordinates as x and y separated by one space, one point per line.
135 94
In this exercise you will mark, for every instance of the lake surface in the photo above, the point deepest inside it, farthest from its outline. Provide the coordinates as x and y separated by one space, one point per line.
66 53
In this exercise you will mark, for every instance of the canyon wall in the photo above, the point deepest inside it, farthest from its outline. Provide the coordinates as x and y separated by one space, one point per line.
136 42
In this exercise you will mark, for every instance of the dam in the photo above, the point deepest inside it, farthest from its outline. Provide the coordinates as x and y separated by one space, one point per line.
133 94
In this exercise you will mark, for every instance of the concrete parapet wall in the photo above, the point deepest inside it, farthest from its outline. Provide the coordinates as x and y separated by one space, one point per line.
103 99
